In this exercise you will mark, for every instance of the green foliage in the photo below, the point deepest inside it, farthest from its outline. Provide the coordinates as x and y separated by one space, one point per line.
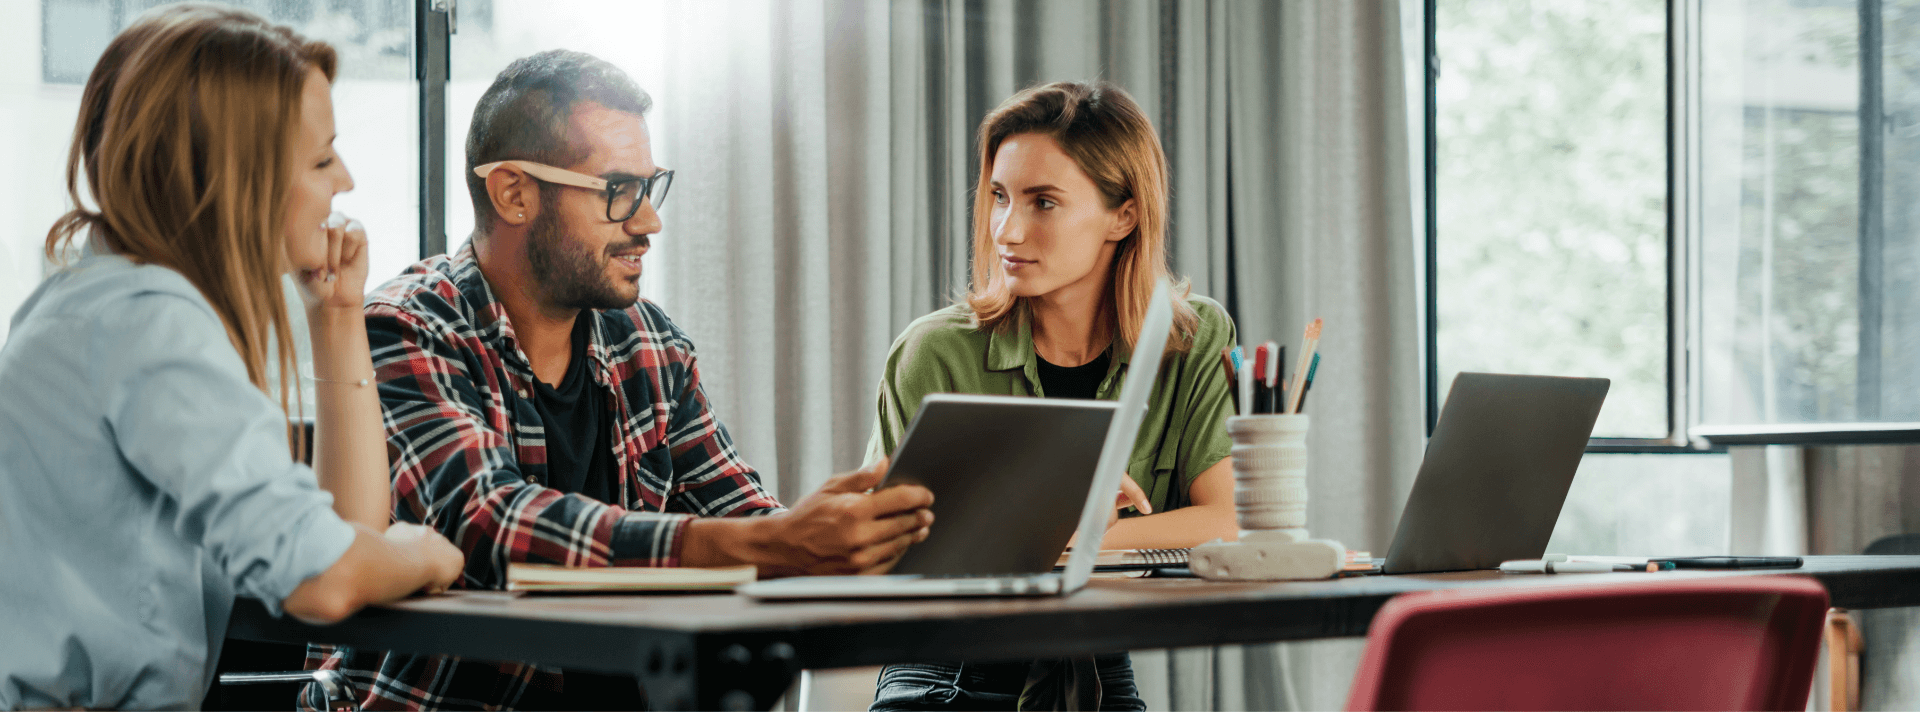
1552 192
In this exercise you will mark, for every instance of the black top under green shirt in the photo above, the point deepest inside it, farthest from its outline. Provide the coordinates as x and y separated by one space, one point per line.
1081 381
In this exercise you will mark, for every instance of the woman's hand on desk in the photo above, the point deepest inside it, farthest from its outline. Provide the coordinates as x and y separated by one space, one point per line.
1130 496
377 568
844 528
444 560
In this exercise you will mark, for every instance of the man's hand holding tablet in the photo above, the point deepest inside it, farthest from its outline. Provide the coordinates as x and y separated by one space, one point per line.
846 527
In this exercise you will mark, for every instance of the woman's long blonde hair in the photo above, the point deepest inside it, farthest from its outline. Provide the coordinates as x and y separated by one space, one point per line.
185 134
1109 138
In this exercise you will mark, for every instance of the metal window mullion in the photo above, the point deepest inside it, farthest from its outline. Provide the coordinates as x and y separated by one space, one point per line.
1678 193
1432 72
1872 216
1685 211
431 67
1693 172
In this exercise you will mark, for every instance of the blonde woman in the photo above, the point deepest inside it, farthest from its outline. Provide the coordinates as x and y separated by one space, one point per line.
1070 222
147 475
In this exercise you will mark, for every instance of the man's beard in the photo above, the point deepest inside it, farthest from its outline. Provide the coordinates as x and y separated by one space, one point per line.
572 276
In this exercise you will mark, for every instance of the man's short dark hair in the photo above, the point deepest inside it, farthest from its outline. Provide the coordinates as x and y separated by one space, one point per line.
525 115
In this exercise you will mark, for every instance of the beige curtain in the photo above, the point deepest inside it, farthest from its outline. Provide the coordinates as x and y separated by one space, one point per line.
1848 498
826 148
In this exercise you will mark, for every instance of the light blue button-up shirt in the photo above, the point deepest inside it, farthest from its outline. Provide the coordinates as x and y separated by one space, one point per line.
144 482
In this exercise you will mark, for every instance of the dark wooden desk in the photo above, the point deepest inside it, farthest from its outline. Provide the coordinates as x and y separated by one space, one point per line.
731 652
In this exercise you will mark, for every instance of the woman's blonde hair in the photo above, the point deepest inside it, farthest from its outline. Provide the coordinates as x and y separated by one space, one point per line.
1109 138
185 134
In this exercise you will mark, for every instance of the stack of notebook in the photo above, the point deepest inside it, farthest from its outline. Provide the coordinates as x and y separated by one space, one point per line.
1150 559
611 579
1134 559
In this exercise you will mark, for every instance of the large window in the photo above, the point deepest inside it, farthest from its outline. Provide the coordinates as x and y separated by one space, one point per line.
1552 197
1710 202
639 37
1809 175
48 53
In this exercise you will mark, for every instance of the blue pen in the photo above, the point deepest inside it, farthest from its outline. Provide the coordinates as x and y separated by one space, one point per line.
1244 387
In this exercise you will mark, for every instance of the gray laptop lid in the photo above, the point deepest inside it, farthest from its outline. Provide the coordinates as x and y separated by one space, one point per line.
1496 471
1143 368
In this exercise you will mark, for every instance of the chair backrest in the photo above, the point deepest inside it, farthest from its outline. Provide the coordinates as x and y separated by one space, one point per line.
1746 643
1898 544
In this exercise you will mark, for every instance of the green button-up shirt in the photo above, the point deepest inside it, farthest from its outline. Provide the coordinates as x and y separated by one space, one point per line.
1184 431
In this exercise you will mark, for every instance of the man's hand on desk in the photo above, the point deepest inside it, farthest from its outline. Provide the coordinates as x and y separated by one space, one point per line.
844 528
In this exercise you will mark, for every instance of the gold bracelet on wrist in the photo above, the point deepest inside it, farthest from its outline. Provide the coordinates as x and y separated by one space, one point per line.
362 383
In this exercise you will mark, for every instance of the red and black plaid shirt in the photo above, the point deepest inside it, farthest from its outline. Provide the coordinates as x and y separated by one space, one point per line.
468 453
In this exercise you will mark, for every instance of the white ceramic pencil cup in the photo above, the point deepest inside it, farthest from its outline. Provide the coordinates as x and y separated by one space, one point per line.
1270 501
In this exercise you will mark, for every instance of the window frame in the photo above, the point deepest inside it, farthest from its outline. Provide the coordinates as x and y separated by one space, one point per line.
1678 296
434 22
1685 400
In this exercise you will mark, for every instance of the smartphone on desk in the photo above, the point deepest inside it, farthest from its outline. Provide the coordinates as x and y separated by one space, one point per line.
1731 562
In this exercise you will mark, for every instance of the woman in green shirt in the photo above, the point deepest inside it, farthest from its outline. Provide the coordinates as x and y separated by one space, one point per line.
1069 237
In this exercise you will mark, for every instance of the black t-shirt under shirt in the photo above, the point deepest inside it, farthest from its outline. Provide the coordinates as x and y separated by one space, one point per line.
579 425
579 429
1073 381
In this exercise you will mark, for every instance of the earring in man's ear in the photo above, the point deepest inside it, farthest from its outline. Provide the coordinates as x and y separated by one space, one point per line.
523 216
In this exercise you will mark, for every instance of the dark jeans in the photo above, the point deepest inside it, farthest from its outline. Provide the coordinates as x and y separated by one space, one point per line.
1049 684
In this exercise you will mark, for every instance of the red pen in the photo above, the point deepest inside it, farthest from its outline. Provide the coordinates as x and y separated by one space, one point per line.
1262 390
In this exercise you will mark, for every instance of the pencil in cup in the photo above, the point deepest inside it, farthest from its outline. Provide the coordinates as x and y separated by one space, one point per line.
1233 379
1306 388
1310 345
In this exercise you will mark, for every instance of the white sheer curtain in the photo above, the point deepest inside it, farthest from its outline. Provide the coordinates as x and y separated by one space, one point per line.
1791 501
825 150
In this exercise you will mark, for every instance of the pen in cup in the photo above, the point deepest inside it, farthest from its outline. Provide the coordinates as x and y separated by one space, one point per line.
1267 386
1245 372
1307 387
1262 390
1233 378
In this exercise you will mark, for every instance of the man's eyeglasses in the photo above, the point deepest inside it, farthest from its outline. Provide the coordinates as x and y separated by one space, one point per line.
623 194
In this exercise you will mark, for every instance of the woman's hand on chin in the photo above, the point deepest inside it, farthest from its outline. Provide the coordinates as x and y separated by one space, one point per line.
342 282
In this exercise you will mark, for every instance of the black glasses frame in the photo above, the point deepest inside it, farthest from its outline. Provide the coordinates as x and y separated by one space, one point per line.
662 180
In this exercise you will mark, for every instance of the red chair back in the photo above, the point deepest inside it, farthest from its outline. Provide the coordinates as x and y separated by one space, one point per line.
1735 643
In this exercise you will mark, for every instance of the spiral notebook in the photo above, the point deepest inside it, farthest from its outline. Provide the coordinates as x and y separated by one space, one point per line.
1132 559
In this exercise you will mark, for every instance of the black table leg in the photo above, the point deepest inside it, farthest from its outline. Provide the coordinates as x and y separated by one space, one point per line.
718 673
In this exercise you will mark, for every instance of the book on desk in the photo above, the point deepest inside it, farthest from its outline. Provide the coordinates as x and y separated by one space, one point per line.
543 578
1127 560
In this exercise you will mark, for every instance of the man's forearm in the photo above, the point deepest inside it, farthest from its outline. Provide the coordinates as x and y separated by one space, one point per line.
732 541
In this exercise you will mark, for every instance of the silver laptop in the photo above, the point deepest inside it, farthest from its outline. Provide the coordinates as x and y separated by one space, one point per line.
1105 476
1496 472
